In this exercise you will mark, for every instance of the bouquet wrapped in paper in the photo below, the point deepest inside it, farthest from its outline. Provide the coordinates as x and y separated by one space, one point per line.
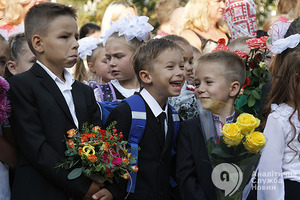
99 154
234 151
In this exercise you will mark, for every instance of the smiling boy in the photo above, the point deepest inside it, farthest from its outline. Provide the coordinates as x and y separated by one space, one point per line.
159 67
218 79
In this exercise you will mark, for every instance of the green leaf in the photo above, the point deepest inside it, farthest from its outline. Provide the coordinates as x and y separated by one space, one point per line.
255 94
251 100
247 91
256 72
75 173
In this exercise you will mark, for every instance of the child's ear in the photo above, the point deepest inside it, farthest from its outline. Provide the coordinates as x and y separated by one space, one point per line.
145 76
90 65
37 43
11 66
234 88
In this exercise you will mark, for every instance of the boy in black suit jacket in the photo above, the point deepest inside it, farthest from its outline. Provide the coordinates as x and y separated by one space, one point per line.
46 102
218 79
159 66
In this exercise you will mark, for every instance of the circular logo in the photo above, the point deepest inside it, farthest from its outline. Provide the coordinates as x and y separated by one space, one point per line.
228 177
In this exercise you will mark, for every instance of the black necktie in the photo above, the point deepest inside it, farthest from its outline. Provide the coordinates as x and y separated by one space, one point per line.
161 119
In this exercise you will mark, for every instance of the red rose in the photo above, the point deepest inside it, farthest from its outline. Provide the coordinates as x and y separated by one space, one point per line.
254 43
84 138
264 40
247 82
241 54
258 57
109 174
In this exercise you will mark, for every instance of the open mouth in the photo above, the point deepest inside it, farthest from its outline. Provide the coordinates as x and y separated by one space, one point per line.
176 85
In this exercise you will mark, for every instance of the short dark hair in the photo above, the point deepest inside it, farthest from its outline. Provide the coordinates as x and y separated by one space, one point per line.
145 56
39 17
88 28
233 65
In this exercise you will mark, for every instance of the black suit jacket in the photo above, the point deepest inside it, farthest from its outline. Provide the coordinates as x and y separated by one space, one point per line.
154 160
193 167
40 119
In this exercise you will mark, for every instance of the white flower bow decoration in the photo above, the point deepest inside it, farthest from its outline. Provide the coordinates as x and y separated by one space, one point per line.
18 29
131 27
87 45
276 42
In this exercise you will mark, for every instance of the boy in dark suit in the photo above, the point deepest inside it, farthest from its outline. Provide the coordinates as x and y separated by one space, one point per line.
218 79
159 66
46 102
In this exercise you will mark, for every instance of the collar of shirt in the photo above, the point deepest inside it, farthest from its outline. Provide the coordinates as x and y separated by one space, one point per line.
125 92
67 85
218 123
153 104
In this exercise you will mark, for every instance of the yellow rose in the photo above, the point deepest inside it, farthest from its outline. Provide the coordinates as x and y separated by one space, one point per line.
247 122
255 141
232 134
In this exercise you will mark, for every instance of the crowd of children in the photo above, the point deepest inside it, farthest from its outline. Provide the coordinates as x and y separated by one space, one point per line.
150 85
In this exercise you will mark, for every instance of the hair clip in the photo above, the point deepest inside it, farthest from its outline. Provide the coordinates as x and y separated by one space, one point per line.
131 27
87 45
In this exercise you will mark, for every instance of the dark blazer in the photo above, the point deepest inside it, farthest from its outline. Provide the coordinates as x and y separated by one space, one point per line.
40 119
193 167
154 160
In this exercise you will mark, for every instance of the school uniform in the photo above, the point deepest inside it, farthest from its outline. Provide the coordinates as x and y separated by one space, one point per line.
193 165
154 156
41 116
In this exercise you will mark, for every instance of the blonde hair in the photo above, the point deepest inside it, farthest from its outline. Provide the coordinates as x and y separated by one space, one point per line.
113 12
196 16
81 73
14 11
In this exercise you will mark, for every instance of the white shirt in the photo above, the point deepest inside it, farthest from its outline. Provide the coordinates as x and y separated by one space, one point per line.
155 107
65 88
278 161
125 92
4 179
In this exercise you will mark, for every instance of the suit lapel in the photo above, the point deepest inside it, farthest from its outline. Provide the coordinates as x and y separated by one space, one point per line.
153 124
79 99
52 88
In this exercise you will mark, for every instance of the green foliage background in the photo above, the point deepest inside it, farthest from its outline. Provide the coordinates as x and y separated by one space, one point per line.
147 8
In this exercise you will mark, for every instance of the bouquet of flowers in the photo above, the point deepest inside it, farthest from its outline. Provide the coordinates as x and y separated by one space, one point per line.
99 154
4 102
257 73
234 153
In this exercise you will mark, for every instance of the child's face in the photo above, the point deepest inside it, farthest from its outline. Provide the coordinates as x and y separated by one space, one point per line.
101 67
59 48
188 61
4 54
119 59
25 60
167 74
211 84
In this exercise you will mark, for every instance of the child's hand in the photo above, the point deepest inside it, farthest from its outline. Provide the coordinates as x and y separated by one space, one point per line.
103 194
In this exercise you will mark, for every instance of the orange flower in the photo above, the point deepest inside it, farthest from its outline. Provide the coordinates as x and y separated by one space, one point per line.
84 138
105 146
125 161
92 158
126 176
97 129
80 151
71 133
135 168
71 144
